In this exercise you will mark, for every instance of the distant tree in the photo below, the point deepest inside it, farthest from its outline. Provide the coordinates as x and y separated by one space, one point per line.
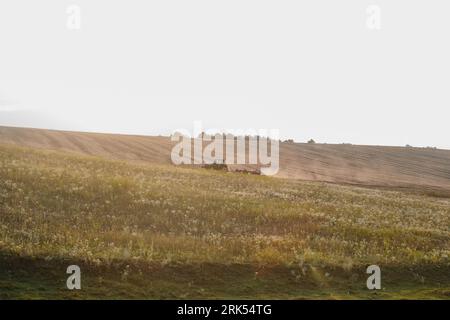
202 135
311 141
408 146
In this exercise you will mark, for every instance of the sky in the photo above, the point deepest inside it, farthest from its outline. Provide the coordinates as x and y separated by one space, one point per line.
334 71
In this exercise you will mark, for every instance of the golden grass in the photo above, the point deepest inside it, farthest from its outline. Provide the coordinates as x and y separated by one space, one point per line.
56 205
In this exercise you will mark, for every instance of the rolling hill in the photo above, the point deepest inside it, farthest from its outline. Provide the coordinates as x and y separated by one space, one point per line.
146 231
380 166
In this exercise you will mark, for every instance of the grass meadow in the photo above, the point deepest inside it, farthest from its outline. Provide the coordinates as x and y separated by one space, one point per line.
141 231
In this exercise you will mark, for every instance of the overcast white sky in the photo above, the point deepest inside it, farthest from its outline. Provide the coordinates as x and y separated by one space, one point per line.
309 68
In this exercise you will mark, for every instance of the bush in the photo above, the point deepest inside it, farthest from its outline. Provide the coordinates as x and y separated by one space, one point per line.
216 166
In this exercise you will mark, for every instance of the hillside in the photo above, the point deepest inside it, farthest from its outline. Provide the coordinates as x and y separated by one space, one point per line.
159 231
423 168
